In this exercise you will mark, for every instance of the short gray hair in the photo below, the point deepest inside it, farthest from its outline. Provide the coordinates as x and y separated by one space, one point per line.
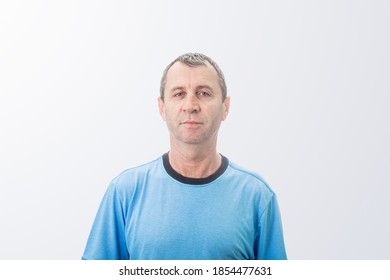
193 60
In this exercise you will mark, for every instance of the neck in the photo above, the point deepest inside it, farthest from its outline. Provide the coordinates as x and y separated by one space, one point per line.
194 161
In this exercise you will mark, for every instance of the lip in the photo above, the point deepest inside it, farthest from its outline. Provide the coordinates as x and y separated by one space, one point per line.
191 122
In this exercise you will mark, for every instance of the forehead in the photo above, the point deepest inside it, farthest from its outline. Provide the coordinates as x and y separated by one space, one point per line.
181 74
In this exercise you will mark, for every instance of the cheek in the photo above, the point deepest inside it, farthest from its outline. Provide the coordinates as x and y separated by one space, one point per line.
165 112
169 116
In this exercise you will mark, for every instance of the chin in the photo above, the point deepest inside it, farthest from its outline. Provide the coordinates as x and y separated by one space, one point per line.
192 141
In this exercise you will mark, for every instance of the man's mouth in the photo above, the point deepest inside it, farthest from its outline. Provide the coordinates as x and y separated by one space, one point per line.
191 124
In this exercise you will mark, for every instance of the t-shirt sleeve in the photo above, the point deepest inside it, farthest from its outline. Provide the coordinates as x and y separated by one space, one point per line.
107 238
270 242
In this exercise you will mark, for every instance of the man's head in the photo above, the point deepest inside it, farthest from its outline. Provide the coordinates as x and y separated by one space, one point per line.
194 60
193 100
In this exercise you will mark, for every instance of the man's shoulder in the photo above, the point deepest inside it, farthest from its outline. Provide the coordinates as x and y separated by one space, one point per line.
242 171
136 173
249 177
142 168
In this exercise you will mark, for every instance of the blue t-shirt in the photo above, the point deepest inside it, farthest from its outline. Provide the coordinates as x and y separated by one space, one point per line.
153 212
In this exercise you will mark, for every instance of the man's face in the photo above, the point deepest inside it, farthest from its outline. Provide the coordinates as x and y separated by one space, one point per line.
193 107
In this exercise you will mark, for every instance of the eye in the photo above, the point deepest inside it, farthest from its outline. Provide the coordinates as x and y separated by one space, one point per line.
178 94
204 93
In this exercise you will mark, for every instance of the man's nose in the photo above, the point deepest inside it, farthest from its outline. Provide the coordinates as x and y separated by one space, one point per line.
191 103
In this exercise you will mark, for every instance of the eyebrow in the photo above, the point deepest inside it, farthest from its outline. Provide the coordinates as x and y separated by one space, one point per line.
197 88
176 88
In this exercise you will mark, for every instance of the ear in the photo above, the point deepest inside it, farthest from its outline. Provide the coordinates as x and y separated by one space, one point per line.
226 105
161 107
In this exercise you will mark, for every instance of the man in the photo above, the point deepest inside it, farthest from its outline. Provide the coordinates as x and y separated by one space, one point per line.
191 203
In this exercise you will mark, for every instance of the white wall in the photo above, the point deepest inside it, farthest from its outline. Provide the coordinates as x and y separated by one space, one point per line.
309 82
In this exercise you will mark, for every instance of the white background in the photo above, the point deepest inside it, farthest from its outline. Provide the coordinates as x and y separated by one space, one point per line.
309 86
